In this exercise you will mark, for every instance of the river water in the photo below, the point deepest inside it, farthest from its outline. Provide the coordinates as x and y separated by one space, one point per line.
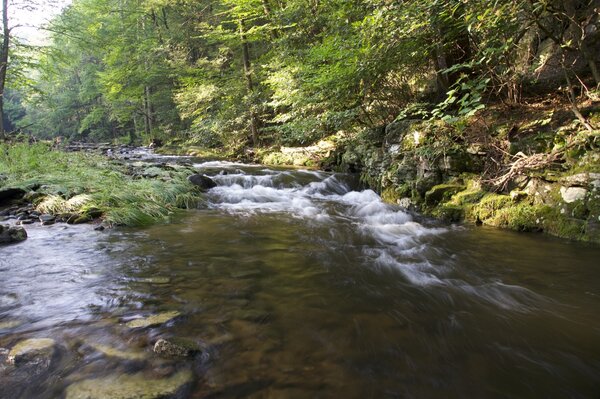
296 285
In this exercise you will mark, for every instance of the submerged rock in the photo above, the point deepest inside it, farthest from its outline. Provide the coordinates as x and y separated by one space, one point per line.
7 325
109 351
154 280
153 320
175 347
10 235
125 386
32 351
202 181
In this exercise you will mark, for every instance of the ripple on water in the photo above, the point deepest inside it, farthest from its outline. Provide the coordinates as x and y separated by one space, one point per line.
294 283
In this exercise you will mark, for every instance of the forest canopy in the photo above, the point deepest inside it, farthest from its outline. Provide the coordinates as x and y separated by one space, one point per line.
240 73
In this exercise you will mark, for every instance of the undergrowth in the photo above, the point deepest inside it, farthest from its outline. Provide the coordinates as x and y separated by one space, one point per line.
79 183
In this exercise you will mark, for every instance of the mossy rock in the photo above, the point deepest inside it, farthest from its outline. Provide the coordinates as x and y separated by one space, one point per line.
109 351
153 320
521 217
393 194
468 197
449 213
35 350
489 205
125 386
442 193
176 347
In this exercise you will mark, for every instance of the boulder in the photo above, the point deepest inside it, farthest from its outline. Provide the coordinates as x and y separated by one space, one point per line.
126 386
442 192
581 180
8 194
153 320
202 181
175 347
47 220
572 194
38 351
10 235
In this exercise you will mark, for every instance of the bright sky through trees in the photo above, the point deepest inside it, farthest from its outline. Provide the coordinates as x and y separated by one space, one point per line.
29 21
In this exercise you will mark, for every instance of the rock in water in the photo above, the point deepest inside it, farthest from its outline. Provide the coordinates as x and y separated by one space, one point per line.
153 320
175 347
8 194
47 220
109 351
9 235
202 181
125 386
32 351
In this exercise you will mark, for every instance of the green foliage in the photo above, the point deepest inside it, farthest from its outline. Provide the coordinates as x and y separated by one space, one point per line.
463 100
76 183
219 72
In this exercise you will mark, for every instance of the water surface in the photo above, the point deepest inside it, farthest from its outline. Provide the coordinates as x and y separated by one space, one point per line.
297 286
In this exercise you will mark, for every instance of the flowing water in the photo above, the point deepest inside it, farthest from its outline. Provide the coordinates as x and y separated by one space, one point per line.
297 286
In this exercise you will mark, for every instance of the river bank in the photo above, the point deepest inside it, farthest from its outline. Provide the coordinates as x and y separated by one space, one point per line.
42 184
530 168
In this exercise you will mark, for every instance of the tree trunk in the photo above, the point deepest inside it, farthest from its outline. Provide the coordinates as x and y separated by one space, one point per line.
146 119
454 42
149 109
3 63
580 36
254 122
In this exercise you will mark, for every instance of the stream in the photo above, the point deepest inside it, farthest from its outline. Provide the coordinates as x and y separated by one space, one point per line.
296 284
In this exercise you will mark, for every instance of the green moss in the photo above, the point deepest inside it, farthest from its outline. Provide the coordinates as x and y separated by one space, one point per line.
489 205
449 213
520 217
442 193
557 224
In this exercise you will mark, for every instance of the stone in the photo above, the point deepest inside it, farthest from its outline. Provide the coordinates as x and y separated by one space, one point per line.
175 347
127 386
32 196
32 351
153 320
517 195
442 192
202 181
406 203
119 354
581 180
8 194
573 194
10 324
47 219
10 235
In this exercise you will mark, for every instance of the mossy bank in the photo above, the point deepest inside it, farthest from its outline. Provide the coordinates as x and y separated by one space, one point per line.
528 169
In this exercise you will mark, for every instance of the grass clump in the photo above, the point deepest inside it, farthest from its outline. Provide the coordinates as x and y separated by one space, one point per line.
78 183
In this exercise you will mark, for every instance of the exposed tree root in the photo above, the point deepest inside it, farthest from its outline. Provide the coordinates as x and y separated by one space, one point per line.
522 164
